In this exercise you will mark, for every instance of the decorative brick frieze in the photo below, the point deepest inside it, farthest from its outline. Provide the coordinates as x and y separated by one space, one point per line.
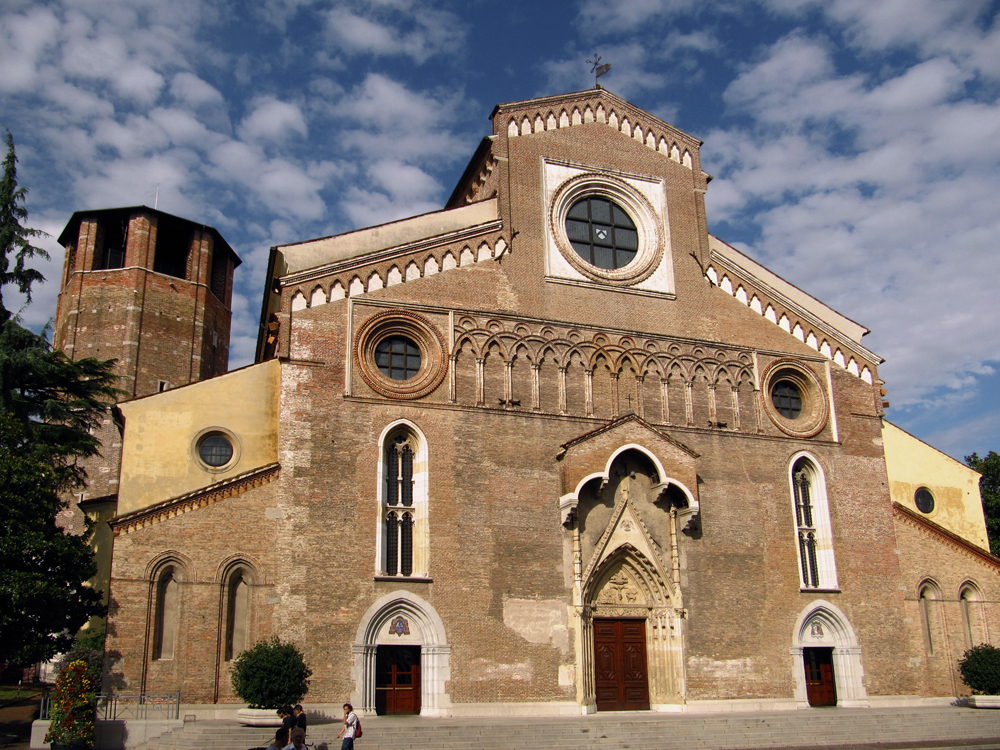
194 500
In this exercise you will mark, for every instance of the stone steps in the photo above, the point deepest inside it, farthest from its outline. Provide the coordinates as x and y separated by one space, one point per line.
636 731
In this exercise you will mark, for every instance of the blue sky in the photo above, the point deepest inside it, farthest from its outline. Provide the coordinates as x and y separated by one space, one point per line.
855 144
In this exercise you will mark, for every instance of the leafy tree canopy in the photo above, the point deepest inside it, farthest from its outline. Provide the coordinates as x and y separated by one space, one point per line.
44 599
48 406
989 488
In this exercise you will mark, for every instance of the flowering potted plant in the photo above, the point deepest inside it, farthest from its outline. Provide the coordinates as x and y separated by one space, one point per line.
72 709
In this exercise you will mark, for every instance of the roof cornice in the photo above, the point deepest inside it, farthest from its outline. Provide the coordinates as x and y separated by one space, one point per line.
946 536
209 495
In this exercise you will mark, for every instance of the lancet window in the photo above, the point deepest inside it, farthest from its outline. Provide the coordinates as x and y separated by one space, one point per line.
812 521
403 506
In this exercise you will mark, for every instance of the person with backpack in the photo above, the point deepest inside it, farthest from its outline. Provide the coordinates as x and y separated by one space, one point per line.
351 729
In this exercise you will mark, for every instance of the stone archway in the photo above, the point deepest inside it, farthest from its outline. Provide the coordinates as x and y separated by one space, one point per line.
823 625
402 618
630 586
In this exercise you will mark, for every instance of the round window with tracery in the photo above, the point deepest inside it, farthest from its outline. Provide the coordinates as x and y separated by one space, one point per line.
602 233
215 450
397 357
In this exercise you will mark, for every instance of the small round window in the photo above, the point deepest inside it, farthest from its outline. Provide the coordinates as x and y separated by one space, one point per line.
215 450
397 357
787 399
924 500
602 233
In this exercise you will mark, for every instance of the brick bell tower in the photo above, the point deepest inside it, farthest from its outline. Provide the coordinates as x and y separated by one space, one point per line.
154 292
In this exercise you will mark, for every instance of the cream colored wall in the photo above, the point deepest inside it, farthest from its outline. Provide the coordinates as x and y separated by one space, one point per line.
911 463
159 460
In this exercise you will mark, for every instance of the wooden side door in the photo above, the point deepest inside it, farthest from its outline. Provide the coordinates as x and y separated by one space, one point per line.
621 682
821 686
397 680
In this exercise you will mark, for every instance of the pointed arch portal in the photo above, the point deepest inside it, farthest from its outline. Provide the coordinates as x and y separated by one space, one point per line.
403 619
823 643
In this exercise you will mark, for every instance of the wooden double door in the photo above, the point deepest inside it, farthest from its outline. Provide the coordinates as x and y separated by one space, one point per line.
821 686
397 680
620 681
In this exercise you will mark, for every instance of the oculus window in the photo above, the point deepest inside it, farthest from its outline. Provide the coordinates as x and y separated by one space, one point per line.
793 398
215 450
924 500
397 357
787 399
400 354
602 233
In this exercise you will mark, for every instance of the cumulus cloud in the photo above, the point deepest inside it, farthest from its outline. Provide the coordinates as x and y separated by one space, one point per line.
272 120
873 194
415 30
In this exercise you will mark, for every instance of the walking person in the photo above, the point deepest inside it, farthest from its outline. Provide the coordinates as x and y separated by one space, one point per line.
300 717
351 724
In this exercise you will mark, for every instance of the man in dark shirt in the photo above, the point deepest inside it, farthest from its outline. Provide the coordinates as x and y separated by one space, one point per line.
300 717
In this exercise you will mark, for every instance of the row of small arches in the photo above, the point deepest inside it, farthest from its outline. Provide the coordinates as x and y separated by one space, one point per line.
358 285
635 131
767 310
535 350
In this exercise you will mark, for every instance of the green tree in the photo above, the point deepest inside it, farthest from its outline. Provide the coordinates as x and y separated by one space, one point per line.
14 236
48 407
989 488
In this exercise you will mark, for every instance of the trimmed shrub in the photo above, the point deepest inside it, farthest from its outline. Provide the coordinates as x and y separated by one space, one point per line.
980 669
270 675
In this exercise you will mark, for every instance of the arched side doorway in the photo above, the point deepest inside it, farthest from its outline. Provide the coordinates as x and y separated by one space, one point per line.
401 631
826 659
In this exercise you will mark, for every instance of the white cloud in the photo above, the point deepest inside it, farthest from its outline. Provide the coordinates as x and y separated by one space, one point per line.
877 196
272 120
418 31
190 88
600 16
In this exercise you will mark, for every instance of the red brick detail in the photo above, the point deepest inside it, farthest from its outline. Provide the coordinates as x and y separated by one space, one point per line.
193 500
954 540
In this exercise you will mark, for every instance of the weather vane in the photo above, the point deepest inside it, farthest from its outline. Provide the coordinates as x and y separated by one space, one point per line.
597 68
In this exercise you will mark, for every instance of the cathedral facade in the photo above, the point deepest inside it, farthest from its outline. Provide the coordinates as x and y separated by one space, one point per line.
552 449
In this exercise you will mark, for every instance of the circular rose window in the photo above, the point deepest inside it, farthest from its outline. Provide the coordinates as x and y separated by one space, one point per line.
602 233
400 354
606 229
793 398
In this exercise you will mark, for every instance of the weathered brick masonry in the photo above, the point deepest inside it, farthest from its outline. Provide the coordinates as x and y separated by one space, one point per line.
590 447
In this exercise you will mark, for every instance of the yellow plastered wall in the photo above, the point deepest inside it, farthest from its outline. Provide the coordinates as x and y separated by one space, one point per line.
911 464
159 456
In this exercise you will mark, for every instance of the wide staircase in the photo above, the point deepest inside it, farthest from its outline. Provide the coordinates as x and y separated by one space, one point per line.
934 727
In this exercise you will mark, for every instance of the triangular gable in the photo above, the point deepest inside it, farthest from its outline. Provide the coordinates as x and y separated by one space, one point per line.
626 529
590 454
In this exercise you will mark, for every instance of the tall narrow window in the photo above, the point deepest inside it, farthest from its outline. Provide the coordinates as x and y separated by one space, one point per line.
237 611
812 521
165 616
403 547
972 622
927 616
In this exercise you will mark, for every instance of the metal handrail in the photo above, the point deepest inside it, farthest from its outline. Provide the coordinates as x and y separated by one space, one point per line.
123 706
